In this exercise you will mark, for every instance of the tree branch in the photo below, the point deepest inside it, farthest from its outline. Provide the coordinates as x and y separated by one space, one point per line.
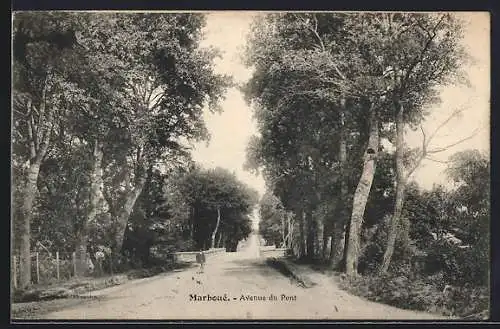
109 200
474 133
133 87
418 58
425 144
401 28
44 143
43 103
445 122
320 40
31 135
436 160
151 91
316 34
145 92
34 131
157 100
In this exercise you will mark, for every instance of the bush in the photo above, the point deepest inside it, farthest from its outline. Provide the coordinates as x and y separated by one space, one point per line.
460 266
374 249
422 295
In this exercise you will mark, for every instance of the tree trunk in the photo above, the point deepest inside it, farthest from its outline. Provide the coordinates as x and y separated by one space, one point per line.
283 229
125 212
339 227
37 153
342 264
25 226
319 237
219 243
216 228
192 222
361 197
302 242
400 192
95 181
289 239
326 237
337 245
311 233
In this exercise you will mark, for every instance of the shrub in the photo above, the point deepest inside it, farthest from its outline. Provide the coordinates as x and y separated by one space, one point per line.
404 251
459 265
422 295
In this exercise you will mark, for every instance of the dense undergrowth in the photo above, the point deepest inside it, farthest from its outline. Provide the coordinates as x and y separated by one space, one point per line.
423 295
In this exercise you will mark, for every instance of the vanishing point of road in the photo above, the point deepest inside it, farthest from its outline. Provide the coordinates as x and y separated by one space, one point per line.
242 285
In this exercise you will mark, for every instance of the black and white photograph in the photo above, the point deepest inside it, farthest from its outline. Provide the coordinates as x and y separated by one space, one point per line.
250 165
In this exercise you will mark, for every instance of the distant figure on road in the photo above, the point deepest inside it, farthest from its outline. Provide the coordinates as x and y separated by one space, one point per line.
200 259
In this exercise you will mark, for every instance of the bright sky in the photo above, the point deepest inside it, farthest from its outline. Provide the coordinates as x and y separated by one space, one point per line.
232 129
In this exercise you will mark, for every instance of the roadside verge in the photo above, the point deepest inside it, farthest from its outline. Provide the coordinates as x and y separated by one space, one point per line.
290 270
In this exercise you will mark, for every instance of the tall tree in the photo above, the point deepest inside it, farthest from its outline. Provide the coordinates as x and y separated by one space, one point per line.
161 80
220 203
284 89
425 52
273 220
325 61
43 47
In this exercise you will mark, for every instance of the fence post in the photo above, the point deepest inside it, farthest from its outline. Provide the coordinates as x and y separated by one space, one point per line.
73 258
57 264
15 272
37 269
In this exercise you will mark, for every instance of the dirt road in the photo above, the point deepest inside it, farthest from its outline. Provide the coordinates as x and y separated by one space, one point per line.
241 284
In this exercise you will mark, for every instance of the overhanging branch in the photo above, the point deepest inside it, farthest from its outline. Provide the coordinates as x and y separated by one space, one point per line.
424 154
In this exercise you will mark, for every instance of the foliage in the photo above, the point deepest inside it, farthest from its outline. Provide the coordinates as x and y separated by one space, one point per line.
204 192
272 218
301 77
423 295
137 84
448 270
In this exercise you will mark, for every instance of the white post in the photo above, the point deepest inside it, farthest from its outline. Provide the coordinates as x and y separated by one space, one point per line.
57 264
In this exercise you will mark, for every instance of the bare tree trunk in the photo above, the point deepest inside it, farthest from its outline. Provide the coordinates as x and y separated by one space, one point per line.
319 238
39 141
289 237
342 264
192 221
337 245
326 237
25 228
95 181
219 243
283 228
125 212
361 197
400 192
216 228
302 244
339 226
311 233
37 153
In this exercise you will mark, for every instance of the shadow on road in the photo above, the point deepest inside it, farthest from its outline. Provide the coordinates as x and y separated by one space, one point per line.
250 266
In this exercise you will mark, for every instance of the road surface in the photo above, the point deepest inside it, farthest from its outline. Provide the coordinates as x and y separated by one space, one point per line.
241 285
